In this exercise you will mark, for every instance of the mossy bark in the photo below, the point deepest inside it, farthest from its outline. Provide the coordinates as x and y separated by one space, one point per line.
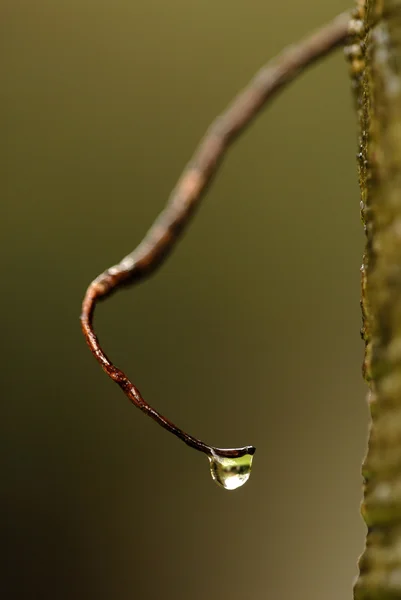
375 52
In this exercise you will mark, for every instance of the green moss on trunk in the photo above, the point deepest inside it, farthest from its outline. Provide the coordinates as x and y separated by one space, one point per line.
377 81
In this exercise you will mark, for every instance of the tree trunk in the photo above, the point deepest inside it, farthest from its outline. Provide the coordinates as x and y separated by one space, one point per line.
375 53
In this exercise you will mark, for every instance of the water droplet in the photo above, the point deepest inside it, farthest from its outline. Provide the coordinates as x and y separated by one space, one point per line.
230 473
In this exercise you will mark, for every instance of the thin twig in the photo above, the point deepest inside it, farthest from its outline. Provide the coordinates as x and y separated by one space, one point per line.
185 197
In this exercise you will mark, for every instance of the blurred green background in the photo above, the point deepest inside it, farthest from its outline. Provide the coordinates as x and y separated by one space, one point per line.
248 335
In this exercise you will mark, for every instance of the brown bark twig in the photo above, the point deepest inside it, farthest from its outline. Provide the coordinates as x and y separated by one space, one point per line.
185 197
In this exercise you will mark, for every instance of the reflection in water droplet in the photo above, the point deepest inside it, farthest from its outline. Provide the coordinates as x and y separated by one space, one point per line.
230 473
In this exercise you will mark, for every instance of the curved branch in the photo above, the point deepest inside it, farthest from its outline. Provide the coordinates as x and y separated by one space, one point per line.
185 197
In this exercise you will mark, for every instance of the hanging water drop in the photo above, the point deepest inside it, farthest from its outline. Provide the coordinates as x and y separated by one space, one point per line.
230 473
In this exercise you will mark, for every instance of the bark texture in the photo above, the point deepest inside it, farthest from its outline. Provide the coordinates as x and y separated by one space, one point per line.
375 56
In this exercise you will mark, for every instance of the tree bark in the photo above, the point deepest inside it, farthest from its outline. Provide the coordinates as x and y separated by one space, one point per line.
375 53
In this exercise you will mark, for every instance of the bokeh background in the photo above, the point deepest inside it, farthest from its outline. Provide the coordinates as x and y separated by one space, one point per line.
248 335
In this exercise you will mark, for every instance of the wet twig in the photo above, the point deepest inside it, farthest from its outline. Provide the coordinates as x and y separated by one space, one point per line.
187 194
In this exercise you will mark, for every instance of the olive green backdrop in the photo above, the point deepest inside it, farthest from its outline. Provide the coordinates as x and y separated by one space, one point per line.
248 335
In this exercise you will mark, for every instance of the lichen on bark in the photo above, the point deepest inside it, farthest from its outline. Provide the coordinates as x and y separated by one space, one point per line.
377 82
